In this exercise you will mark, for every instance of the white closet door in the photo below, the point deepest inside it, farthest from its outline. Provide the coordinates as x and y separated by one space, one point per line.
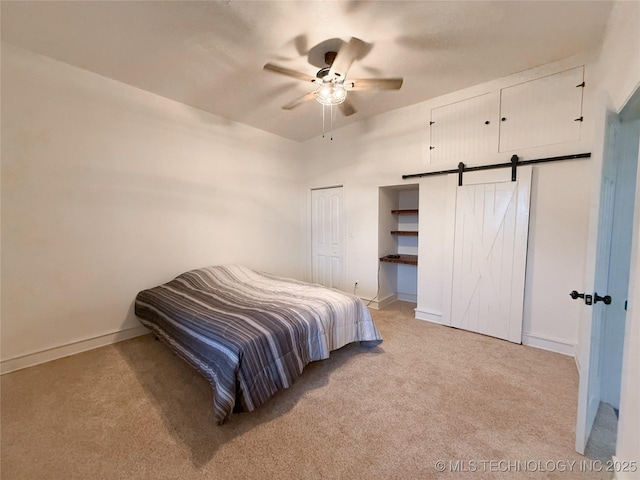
488 253
327 233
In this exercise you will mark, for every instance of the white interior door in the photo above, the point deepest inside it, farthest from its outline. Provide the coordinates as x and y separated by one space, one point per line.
488 238
327 233
594 319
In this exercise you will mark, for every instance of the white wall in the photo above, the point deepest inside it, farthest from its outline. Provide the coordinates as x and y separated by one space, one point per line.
108 189
378 151
618 68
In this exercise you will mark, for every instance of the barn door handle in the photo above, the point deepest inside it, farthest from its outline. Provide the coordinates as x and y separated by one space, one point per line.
575 295
597 298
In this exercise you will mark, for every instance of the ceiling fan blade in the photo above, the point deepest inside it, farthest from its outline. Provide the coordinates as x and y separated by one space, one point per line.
290 73
299 101
301 44
347 108
347 54
368 84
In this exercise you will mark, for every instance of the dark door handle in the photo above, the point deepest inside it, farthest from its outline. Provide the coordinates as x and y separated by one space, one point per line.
575 295
597 298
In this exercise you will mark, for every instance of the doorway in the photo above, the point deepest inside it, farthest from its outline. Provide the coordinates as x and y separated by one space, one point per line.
601 354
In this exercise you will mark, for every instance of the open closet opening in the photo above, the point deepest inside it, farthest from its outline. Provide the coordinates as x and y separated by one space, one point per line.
398 218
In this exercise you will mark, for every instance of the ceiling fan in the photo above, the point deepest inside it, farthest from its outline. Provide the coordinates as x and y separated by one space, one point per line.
331 82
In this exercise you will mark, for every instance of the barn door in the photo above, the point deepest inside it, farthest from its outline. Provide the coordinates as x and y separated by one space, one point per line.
327 233
489 230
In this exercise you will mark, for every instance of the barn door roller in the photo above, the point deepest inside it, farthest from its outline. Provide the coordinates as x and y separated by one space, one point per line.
514 168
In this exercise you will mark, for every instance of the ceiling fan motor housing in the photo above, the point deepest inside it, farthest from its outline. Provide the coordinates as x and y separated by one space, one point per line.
323 72
329 58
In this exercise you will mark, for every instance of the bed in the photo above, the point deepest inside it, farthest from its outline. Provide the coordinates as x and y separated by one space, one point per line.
251 333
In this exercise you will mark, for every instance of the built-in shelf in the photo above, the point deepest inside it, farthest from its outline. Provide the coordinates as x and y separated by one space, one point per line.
402 258
405 212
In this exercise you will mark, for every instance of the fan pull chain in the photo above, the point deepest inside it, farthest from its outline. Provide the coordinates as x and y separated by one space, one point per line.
330 121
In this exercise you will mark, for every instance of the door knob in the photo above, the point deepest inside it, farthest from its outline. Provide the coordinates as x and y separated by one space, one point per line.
575 295
597 298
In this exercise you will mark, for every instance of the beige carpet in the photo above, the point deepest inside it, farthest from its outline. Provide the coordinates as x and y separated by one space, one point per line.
135 411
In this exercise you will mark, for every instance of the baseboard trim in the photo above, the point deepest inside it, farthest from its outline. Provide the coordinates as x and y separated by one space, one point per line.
429 316
551 344
378 304
407 297
31 359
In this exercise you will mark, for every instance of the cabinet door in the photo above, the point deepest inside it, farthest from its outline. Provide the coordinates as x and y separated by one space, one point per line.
464 131
541 112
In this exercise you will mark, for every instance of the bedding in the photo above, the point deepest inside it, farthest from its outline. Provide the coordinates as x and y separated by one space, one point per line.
251 333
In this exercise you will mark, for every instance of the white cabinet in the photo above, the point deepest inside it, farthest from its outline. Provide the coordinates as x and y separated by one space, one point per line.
464 130
544 111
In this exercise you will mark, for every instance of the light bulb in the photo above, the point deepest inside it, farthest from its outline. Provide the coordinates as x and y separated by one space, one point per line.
331 94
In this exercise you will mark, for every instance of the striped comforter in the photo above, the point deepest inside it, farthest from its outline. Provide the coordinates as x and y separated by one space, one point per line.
249 333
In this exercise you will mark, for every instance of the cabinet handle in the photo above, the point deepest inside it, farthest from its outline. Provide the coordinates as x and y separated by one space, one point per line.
487 122
503 119
580 119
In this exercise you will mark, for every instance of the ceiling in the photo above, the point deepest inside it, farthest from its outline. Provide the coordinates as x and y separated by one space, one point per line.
210 54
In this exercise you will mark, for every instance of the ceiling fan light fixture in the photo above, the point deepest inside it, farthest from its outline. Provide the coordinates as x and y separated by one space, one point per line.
331 94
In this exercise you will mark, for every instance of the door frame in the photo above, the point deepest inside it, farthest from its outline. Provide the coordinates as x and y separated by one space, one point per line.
627 439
